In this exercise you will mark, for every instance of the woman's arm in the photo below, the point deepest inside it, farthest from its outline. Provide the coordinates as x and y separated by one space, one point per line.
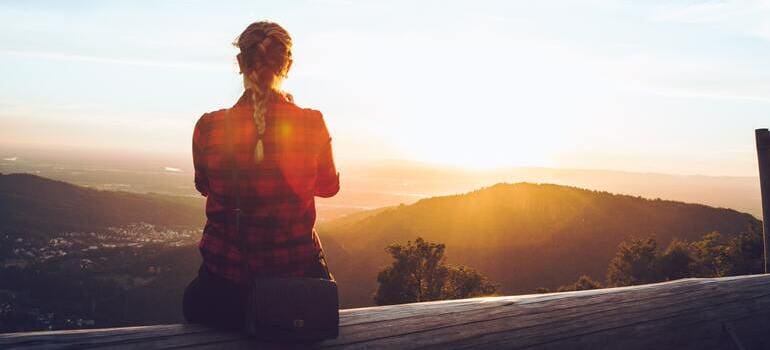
327 177
201 180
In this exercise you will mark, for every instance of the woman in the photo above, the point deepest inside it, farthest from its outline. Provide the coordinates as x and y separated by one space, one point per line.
267 159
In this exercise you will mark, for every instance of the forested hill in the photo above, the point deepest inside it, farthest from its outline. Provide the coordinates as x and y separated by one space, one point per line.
38 206
521 235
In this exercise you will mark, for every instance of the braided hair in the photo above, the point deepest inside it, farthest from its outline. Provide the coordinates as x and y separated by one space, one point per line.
264 59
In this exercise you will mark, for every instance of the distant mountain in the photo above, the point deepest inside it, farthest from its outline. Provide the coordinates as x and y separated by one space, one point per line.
34 205
377 183
521 235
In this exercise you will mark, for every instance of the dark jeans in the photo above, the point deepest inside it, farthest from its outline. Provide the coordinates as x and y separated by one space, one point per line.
220 303
214 301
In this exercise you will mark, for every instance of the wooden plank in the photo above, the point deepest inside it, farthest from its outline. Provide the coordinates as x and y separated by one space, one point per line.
107 337
763 158
681 328
691 313
382 313
54 339
537 310
524 330
65 335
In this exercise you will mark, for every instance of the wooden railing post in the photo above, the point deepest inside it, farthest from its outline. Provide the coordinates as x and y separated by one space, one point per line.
763 156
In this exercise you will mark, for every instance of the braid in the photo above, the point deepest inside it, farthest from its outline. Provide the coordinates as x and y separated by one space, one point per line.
265 59
259 102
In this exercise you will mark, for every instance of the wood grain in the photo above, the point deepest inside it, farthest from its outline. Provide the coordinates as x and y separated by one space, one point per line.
718 313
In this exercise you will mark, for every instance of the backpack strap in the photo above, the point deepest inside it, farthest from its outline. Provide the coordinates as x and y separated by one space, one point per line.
230 135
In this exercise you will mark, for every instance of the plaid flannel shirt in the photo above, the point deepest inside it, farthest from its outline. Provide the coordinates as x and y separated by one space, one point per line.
277 202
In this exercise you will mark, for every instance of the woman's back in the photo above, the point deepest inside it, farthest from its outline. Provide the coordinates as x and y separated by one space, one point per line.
276 194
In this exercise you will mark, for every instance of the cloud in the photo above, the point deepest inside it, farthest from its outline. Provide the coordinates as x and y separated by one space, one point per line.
695 94
703 12
332 2
682 75
749 17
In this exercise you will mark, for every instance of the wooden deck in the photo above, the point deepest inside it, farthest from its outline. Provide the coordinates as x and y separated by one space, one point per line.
722 313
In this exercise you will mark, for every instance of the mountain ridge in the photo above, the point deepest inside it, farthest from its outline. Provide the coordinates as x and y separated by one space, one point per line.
522 235
37 205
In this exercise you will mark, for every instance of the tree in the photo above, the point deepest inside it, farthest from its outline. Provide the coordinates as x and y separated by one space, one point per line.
420 273
465 282
583 283
676 262
745 254
710 256
634 263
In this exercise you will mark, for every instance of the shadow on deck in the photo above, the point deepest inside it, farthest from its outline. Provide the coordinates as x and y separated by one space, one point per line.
717 313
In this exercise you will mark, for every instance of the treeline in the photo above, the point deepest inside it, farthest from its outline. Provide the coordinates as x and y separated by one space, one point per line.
643 260
419 271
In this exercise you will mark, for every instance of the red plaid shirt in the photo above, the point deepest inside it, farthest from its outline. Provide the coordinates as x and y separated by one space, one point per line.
276 195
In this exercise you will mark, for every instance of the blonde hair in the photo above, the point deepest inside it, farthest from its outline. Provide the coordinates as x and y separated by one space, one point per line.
265 59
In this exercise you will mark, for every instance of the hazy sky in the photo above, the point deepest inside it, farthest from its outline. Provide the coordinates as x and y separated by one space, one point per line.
661 86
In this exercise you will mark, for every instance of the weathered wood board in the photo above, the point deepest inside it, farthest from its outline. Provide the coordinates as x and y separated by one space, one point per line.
718 313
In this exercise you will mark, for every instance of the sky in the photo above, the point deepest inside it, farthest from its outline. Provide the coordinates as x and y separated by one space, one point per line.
652 86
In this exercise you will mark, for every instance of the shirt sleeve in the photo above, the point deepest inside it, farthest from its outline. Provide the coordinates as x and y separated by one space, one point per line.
327 177
201 179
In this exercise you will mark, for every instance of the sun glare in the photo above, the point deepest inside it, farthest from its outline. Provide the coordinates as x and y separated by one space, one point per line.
486 145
